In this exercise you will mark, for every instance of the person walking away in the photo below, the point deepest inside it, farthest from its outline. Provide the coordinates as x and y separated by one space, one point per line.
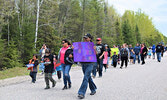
143 53
149 53
105 58
100 50
136 50
124 56
158 52
49 69
153 51
66 60
115 59
87 68
33 69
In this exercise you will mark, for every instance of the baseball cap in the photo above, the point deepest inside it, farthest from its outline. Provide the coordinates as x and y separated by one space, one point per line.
87 36
99 39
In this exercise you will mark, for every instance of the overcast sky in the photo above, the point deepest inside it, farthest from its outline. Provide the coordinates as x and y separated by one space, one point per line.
157 9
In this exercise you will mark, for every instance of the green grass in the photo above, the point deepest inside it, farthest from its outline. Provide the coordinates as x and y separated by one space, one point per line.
13 72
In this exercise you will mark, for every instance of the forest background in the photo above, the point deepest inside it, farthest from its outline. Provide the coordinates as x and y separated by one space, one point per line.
27 24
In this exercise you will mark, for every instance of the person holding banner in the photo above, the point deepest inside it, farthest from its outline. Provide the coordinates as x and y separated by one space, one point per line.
33 69
66 60
87 68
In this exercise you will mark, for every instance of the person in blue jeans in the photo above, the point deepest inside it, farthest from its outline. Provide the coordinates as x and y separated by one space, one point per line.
136 50
158 52
100 51
87 68
66 59
153 51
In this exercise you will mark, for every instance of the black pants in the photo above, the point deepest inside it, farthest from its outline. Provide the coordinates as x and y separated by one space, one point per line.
162 53
124 59
33 76
143 59
115 64
105 66
59 74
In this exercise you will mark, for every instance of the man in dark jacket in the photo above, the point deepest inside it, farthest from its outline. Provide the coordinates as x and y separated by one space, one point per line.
158 52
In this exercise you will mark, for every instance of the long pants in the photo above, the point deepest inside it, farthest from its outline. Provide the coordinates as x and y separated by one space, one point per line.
59 74
153 55
48 76
87 69
158 56
98 66
143 59
33 76
115 64
138 58
66 75
124 59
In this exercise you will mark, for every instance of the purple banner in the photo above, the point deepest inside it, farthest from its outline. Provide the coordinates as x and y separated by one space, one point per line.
84 52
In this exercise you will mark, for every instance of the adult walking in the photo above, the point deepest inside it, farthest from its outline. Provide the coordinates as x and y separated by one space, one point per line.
124 53
100 50
158 52
153 51
42 51
87 68
66 60
143 53
136 50
49 68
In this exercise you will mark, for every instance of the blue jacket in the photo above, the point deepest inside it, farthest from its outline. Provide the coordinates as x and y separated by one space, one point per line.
137 49
153 48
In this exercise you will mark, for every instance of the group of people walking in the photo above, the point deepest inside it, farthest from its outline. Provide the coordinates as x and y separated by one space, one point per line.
89 69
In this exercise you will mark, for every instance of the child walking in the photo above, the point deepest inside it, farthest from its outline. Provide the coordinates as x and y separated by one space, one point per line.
115 59
33 69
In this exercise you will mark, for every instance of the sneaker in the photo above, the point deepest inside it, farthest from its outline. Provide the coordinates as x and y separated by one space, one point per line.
80 96
93 76
47 88
92 93
69 85
54 84
64 88
121 67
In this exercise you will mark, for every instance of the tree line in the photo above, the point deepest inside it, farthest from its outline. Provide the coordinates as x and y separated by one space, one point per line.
26 24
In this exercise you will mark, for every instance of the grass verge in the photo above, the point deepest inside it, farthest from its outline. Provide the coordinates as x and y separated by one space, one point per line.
13 72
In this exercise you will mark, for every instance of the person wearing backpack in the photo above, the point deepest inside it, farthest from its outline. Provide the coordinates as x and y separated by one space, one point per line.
124 56
158 52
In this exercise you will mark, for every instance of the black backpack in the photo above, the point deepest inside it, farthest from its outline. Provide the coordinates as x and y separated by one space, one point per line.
124 52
